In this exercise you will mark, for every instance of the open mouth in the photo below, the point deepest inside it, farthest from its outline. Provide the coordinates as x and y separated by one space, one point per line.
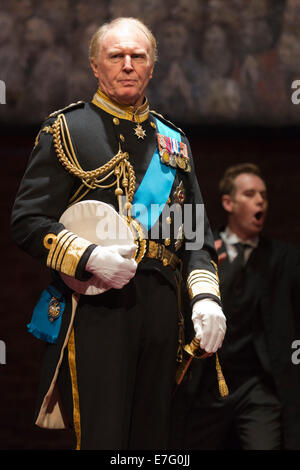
259 215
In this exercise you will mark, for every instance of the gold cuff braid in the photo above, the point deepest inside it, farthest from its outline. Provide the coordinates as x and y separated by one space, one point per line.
201 281
65 251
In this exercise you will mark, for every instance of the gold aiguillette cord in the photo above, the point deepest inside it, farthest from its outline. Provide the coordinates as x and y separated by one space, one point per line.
192 351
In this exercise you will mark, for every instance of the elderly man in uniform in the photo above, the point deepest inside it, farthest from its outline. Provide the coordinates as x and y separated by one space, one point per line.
111 357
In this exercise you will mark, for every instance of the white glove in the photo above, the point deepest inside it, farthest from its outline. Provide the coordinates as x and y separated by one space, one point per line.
114 264
209 324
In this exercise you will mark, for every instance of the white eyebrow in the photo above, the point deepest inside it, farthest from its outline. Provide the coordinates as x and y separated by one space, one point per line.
115 50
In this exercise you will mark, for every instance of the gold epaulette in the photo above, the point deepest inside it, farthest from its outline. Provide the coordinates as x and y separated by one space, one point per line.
160 116
47 130
72 106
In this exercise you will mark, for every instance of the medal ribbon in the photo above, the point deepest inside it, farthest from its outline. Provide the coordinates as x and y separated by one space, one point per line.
155 188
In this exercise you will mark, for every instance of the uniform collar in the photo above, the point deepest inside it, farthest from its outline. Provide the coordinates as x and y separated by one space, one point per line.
139 114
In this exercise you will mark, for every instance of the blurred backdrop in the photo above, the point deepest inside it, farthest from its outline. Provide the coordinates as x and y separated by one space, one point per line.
225 75
219 62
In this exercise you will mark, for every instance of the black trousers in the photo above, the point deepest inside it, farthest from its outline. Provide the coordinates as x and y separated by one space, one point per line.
251 413
124 345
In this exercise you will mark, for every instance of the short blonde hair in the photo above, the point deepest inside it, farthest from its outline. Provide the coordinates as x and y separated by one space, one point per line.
95 43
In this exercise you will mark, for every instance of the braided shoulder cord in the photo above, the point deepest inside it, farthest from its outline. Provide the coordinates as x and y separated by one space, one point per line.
118 165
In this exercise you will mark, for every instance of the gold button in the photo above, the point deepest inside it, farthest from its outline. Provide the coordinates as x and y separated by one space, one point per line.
116 121
165 262
153 124
167 241
169 220
122 137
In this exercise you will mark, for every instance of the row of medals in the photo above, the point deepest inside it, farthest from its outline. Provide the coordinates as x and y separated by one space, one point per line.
173 153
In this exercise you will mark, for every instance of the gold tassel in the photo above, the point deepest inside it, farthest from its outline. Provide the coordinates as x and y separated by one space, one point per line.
223 389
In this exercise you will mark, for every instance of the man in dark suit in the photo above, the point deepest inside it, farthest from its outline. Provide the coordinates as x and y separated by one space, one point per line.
259 282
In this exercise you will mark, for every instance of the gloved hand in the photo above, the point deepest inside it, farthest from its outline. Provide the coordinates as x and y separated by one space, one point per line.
114 264
209 324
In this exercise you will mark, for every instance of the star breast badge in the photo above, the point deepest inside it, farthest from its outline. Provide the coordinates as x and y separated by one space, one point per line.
139 132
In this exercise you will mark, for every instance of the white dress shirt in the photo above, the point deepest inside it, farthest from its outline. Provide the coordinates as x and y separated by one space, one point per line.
229 239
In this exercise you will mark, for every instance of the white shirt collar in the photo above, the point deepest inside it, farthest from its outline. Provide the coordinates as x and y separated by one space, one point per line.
230 239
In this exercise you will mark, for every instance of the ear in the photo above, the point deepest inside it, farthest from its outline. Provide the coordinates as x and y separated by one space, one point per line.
227 202
94 68
151 72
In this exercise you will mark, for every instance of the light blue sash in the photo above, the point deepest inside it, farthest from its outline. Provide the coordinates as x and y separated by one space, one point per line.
155 188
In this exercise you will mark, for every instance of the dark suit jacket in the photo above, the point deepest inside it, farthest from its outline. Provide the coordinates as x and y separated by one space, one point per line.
273 274
273 271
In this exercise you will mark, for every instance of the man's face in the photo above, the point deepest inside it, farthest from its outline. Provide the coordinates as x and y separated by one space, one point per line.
247 207
124 66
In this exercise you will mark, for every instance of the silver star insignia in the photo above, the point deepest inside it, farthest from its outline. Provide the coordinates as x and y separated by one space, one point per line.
139 132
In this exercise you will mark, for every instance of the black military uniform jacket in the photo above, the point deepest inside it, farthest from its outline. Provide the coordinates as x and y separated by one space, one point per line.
73 153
